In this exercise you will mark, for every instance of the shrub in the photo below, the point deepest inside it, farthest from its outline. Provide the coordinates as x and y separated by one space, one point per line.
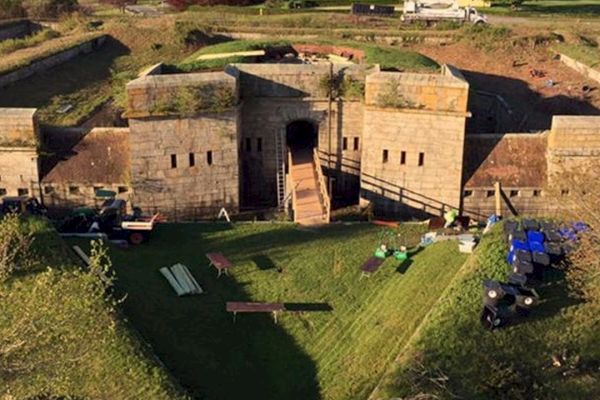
181 5
390 97
15 246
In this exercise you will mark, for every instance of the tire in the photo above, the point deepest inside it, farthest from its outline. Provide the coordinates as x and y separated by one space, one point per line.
136 238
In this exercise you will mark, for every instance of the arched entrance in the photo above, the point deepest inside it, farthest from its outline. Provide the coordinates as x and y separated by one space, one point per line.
301 136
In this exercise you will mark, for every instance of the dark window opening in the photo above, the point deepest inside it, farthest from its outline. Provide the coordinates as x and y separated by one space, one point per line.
48 189
468 193
248 145
345 143
259 144
402 157
23 192
356 142
2 192
192 159
537 193
173 160
513 193
564 192
123 189
421 159
490 193
385 156
73 189
209 159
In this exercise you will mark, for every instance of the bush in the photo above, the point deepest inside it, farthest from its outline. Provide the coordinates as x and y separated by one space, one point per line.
188 101
181 5
49 8
15 246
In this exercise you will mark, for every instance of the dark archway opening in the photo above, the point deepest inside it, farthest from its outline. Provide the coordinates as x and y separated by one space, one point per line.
301 137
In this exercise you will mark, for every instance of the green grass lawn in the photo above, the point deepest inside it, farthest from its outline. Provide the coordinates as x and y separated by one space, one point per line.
389 58
573 8
337 354
513 362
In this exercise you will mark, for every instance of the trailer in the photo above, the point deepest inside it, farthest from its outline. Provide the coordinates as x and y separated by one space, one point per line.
429 12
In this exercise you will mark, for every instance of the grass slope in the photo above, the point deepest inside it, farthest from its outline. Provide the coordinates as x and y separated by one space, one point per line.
339 354
513 362
389 58
74 344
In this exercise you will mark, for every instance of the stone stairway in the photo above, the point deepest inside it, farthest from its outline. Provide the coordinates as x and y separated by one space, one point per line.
309 208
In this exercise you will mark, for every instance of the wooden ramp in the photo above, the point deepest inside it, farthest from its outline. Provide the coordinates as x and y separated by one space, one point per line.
310 200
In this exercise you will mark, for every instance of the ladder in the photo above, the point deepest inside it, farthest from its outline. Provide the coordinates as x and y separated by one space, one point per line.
280 161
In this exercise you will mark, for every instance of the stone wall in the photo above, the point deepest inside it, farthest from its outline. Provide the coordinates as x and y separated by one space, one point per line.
573 142
18 171
18 127
46 63
411 160
149 94
186 165
580 67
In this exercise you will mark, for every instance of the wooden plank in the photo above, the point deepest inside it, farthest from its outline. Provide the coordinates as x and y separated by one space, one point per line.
217 56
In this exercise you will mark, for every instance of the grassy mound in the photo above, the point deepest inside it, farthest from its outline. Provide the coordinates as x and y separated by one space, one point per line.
390 58
337 348
454 357
59 336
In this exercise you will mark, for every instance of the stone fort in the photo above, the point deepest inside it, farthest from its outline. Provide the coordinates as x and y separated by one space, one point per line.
298 137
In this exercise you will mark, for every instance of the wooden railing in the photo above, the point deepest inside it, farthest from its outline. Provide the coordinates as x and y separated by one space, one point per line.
290 183
322 185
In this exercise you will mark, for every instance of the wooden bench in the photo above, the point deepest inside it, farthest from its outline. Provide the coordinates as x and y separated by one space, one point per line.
249 307
219 261
370 266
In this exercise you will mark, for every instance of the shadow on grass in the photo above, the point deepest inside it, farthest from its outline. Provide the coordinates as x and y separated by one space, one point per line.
265 263
194 336
403 267
312 307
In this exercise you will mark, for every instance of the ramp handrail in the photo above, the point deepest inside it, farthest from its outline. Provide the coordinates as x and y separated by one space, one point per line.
290 182
322 185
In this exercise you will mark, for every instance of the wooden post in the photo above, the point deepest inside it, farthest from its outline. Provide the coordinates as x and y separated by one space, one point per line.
498 198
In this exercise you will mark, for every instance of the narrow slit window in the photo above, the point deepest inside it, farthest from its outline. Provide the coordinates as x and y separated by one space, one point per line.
402 158
385 156
421 159
345 143
468 193
192 159
248 145
356 143
209 159
259 145
537 193
514 193
173 160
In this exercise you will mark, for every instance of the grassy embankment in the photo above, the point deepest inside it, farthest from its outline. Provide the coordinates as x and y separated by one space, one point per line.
454 357
60 336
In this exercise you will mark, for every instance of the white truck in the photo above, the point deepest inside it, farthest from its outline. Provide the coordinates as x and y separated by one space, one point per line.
429 12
